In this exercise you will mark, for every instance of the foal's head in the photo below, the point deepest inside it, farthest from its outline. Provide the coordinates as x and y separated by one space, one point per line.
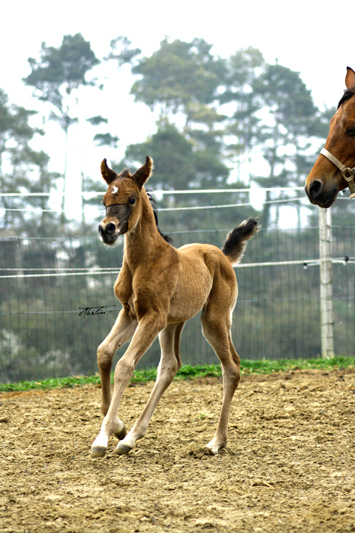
325 179
123 200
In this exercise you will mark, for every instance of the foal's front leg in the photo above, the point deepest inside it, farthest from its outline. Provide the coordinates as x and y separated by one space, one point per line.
121 333
148 328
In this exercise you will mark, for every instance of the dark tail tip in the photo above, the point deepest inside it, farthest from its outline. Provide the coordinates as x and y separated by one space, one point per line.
237 239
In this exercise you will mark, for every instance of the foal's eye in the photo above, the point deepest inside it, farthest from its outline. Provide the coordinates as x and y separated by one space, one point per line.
351 131
132 201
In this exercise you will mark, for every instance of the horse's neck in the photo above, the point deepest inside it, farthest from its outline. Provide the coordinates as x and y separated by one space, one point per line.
143 241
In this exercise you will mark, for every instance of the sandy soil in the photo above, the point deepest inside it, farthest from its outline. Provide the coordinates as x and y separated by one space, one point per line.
288 466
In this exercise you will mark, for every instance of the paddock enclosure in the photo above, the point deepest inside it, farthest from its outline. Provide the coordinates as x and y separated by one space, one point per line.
46 285
288 466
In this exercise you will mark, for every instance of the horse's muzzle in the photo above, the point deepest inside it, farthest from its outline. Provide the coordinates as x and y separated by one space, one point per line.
108 233
111 232
318 195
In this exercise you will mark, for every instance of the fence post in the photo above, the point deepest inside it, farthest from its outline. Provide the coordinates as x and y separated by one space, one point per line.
326 283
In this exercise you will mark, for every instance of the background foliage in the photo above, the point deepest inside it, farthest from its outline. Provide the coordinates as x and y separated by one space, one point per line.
213 116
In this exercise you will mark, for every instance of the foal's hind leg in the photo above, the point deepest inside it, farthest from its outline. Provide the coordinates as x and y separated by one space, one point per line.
216 329
170 363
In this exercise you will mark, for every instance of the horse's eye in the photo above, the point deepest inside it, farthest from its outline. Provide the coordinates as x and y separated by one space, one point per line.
132 201
351 131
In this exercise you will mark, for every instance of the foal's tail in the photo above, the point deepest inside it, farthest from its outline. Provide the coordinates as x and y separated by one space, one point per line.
237 239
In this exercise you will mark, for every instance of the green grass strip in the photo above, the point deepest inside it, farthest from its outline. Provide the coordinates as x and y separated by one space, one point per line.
189 372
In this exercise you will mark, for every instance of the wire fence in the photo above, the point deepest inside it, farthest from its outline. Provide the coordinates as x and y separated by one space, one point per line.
57 302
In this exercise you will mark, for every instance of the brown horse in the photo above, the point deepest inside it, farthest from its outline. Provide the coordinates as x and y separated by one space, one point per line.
160 288
334 169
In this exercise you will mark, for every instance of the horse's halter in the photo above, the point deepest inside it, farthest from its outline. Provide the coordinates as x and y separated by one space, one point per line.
123 212
347 172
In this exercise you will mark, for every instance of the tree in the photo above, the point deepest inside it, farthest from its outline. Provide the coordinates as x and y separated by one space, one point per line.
121 51
23 170
183 82
61 71
179 165
103 139
179 77
291 120
58 74
97 120
106 139
243 124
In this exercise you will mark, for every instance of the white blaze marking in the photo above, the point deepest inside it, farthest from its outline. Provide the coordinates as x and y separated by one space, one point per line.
114 190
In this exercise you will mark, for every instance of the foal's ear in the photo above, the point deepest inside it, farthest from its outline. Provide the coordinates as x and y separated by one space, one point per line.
107 173
143 173
350 78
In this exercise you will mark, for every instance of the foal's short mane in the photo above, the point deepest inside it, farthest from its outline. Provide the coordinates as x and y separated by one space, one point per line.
125 173
155 211
348 93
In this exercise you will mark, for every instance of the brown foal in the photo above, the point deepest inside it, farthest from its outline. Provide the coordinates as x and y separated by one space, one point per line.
160 288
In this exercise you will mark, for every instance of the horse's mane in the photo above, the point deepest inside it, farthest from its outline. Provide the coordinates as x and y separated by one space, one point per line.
155 211
348 93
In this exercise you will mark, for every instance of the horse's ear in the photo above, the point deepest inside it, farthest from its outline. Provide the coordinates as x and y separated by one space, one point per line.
107 173
143 173
350 78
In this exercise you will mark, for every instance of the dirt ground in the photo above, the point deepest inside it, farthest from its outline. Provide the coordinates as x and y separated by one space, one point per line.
288 466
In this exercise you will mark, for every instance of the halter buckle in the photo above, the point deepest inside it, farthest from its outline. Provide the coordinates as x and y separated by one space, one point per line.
348 174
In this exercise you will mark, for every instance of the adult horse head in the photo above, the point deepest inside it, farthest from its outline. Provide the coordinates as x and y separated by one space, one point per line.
334 169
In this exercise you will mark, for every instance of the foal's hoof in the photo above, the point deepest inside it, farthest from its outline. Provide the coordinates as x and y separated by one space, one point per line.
211 451
213 447
98 451
122 449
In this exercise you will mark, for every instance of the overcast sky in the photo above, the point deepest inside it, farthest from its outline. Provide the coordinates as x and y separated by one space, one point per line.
308 36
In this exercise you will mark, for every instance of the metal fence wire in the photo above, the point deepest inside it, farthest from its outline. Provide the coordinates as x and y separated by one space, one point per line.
57 302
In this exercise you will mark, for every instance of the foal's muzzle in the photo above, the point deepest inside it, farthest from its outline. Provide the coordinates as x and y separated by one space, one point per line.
118 225
107 233
111 231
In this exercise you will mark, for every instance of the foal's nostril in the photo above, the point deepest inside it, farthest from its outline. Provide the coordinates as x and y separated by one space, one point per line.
315 189
110 228
100 230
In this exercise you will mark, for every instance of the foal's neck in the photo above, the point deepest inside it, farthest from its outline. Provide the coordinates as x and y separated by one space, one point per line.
144 242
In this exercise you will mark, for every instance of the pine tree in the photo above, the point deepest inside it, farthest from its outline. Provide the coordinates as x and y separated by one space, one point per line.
56 78
23 170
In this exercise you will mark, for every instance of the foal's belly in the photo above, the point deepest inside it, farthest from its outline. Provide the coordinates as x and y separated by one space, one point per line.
192 290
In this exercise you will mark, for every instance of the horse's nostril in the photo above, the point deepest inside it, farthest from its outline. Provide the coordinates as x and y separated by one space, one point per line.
315 189
100 229
110 228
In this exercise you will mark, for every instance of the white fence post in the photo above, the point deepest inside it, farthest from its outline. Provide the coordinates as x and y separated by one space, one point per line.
326 283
